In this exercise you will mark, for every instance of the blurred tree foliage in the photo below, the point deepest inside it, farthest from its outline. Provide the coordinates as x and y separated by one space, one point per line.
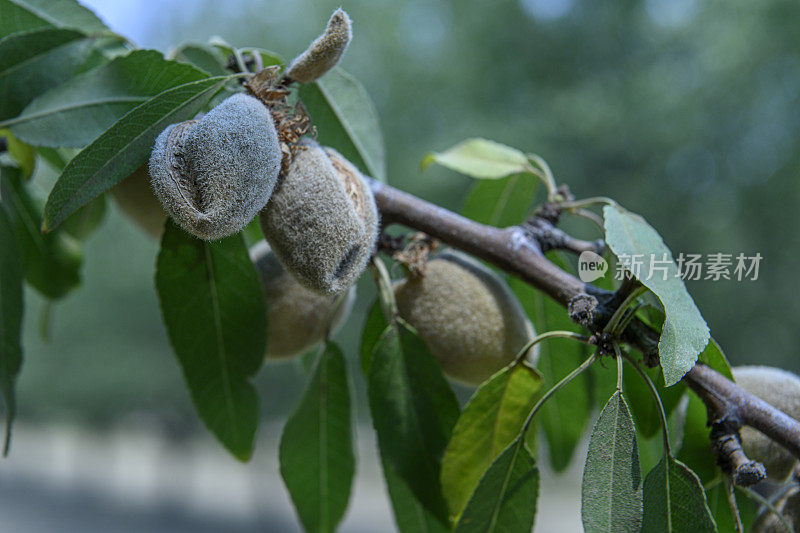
687 112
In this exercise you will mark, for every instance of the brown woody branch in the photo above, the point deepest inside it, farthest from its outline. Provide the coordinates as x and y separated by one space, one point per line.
727 444
514 250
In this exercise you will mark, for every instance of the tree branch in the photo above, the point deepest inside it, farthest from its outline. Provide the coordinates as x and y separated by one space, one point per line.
513 250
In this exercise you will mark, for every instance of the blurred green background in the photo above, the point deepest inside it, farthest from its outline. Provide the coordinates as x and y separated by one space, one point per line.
684 111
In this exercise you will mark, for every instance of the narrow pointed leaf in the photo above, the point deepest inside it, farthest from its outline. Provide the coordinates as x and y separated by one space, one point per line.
79 110
346 119
505 499
409 514
685 333
481 159
33 62
565 416
51 262
491 421
11 311
674 500
374 326
612 482
123 148
413 411
501 203
23 15
213 308
316 450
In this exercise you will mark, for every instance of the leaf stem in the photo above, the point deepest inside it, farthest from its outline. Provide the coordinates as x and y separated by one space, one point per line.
545 174
734 507
615 321
586 202
385 292
590 216
619 373
753 495
555 334
240 62
661 413
555 388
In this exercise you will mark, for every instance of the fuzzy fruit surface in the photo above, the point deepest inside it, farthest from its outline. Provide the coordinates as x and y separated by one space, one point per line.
467 316
214 175
322 222
781 389
136 199
325 52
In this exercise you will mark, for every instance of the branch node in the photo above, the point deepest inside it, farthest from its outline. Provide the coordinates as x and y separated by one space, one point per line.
727 444
583 310
543 230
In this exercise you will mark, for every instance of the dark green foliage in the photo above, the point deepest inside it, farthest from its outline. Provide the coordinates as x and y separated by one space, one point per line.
413 411
214 312
316 452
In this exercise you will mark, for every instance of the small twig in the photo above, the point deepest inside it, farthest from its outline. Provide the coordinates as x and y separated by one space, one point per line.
510 249
727 444
728 400
550 237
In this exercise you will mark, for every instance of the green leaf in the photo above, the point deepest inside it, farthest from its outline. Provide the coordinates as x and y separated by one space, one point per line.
213 308
501 203
685 333
413 411
123 148
346 120
205 57
24 155
566 415
24 15
86 219
33 62
409 515
56 158
643 405
612 494
695 450
11 311
491 420
714 357
52 262
79 110
481 159
316 450
674 500
374 326
505 499
268 57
